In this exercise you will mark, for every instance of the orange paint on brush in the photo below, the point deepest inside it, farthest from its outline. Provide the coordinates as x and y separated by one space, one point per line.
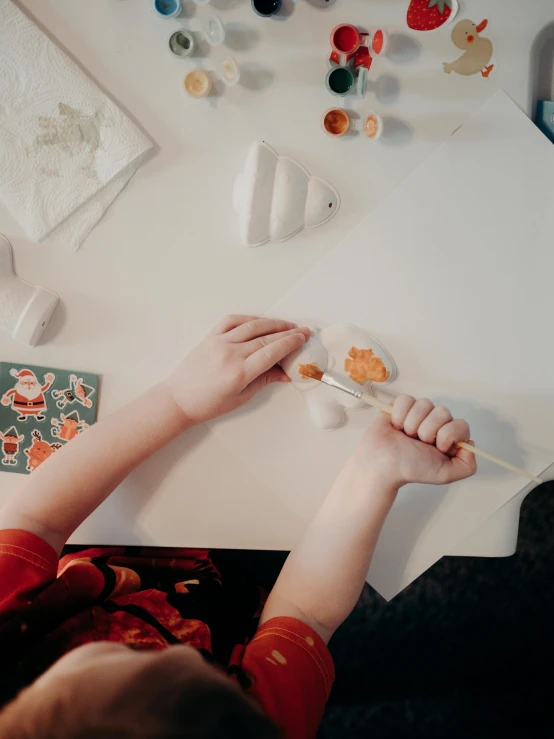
364 366
310 371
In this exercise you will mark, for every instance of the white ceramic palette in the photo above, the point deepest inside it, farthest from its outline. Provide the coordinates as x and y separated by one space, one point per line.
344 351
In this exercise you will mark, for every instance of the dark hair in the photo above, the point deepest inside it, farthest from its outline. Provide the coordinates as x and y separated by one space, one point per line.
154 705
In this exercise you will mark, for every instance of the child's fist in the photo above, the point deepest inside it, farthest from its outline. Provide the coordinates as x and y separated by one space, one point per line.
417 443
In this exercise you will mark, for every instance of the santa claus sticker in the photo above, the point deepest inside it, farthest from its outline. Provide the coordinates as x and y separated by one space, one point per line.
27 397
41 410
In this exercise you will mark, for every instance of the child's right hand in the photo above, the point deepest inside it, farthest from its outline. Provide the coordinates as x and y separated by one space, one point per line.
236 360
415 444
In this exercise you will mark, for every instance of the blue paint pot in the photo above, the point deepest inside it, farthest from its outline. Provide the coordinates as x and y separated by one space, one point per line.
167 8
266 8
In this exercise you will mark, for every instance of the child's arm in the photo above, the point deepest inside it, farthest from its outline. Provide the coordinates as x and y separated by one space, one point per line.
235 361
324 574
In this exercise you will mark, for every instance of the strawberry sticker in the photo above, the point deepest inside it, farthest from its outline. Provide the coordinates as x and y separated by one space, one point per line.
427 15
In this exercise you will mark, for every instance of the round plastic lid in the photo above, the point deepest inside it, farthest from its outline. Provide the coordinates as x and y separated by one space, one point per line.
380 42
230 72
213 28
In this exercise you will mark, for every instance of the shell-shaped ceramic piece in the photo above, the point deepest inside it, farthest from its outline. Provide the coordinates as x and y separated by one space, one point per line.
276 197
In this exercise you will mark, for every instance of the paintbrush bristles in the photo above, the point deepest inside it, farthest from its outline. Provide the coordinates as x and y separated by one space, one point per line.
310 372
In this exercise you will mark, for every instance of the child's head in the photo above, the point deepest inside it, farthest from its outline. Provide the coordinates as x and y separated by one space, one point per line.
106 690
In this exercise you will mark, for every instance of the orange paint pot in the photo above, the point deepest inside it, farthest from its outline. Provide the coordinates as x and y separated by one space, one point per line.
335 122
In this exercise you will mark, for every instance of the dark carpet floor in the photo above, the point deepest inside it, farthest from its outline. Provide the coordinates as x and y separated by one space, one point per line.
466 651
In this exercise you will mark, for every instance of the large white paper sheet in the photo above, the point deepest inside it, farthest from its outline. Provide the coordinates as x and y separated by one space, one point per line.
453 274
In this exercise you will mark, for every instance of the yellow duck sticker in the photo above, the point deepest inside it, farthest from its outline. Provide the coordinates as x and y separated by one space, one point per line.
477 50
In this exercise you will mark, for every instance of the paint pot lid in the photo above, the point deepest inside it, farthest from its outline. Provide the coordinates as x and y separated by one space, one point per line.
213 28
378 122
230 71
380 42
361 85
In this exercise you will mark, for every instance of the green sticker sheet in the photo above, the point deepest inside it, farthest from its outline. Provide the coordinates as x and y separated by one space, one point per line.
41 409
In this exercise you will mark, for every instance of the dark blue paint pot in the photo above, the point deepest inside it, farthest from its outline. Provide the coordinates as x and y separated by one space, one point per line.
266 8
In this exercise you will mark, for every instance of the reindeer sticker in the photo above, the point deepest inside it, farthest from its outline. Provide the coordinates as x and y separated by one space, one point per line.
39 451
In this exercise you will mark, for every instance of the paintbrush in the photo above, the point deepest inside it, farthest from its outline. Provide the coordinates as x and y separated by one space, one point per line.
312 372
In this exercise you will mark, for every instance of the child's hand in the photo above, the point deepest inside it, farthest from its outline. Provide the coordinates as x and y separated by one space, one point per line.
415 444
231 364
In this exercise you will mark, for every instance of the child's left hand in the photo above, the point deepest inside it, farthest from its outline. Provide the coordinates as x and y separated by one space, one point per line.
231 364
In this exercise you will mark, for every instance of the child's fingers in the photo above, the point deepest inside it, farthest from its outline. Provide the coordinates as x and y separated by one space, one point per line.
400 409
230 322
451 433
430 426
416 415
267 356
257 327
275 374
250 347
464 463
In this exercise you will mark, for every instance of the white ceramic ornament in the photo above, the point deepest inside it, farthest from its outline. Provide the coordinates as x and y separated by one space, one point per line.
275 197
25 309
329 348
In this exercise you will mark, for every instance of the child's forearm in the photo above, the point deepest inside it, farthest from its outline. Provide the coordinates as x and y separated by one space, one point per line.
57 497
324 574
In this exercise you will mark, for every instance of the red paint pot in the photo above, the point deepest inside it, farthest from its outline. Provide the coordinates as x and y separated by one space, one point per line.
345 39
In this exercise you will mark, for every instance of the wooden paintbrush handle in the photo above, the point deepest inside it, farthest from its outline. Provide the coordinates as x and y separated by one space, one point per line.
387 408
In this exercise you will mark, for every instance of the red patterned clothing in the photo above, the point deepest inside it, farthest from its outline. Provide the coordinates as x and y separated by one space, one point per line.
150 599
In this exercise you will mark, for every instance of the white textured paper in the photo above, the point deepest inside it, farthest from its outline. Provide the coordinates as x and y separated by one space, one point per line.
66 150
453 274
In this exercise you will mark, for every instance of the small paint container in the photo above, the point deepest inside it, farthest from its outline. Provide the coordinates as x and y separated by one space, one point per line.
266 8
346 39
167 8
198 83
182 44
335 122
340 81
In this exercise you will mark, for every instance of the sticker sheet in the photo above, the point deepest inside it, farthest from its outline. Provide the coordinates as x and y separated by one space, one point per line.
41 409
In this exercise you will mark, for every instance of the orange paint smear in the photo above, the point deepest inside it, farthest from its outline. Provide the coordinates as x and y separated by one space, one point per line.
364 366
310 371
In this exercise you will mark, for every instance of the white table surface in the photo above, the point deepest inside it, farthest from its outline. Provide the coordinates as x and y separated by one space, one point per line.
166 262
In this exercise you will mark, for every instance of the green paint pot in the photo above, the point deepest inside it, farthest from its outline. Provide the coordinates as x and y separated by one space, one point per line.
181 44
340 81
